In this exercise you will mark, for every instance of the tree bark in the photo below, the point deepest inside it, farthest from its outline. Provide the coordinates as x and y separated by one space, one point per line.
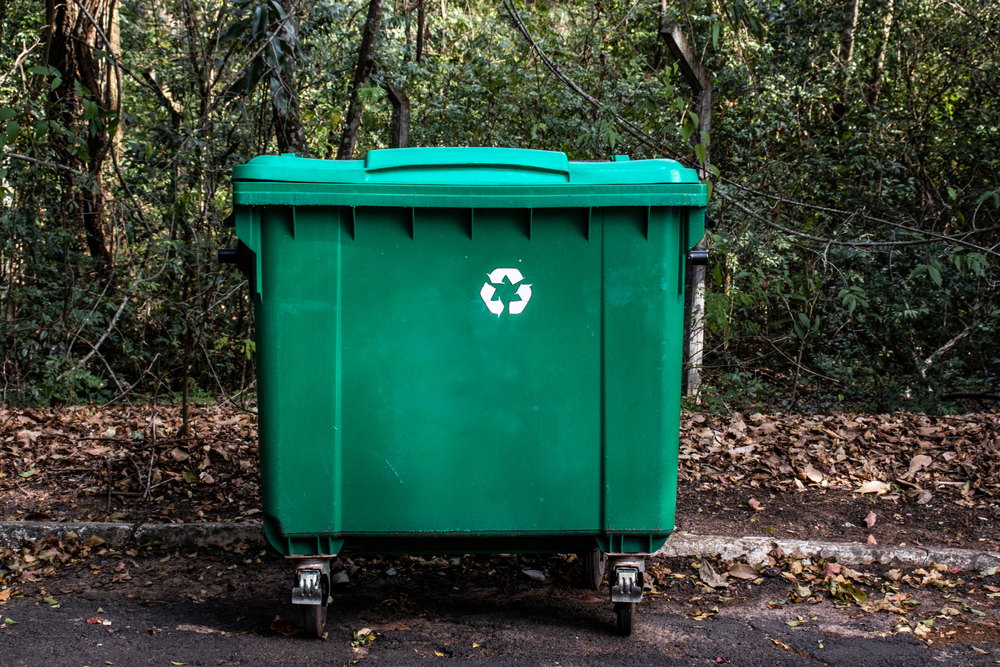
289 132
400 127
875 83
366 61
420 30
696 76
75 31
846 56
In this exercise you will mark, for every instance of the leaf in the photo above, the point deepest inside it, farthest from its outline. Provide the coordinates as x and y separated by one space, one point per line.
874 486
710 577
283 627
919 462
813 474
50 601
924 497
755 504
935 274
872 540
29 473
794 624
537 575
870 519
9 621
190 477
743 571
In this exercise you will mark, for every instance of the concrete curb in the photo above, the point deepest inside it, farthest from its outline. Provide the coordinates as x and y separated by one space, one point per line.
121 535
203 535
756 549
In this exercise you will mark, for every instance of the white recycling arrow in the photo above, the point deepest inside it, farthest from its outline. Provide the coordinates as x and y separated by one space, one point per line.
524 291
496 307
513 275
496 277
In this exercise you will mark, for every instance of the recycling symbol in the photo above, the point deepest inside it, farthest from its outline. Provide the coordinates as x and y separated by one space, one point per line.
496 278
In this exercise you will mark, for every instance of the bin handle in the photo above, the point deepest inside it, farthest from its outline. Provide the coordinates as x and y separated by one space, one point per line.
467 158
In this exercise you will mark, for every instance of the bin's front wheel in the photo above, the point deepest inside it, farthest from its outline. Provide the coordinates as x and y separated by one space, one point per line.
626 614
314 615
593 567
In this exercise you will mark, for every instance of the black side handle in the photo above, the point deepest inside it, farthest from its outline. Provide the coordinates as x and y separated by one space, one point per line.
227 256
696 257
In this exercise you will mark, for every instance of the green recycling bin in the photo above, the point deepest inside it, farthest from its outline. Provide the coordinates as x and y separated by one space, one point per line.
467 350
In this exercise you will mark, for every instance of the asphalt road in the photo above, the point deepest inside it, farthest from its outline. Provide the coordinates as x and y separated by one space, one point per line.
169 614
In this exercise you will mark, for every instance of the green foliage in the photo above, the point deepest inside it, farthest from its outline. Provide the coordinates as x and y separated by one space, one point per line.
854 263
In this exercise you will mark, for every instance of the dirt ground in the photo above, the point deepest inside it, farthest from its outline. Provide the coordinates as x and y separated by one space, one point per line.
937 479
904 479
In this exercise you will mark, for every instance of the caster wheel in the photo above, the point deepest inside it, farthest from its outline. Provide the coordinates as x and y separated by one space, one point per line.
593 568
626 614
314 615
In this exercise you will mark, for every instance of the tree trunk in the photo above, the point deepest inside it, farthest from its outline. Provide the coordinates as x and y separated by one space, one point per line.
420 30
75 30
846 56
400 127
875 84
696 76
290 134
366 60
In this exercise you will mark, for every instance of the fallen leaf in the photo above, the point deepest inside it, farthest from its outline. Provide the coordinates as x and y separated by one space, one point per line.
813 474
200 629
919 462
794 624
872 540
870 519
743 571
537 575
437 653
831 570
26 437
179 455
874 486
924 497
5 594
980 651
284 627
710 577
755 504
190 477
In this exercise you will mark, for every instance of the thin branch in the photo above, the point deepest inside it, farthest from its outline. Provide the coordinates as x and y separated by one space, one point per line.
111 326
597 104
820 239
957 238
25 52
944 348
44 163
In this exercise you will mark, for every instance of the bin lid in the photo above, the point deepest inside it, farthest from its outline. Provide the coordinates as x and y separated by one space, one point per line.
463 176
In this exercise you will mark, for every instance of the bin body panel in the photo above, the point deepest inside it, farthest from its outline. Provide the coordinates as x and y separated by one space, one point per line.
401 407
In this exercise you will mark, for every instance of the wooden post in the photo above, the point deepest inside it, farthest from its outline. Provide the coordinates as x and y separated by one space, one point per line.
698 79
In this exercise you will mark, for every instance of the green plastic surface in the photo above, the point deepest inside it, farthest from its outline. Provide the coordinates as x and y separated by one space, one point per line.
464 350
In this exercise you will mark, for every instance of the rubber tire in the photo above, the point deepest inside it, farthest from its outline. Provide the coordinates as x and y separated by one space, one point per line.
626 615
314 615
593 568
